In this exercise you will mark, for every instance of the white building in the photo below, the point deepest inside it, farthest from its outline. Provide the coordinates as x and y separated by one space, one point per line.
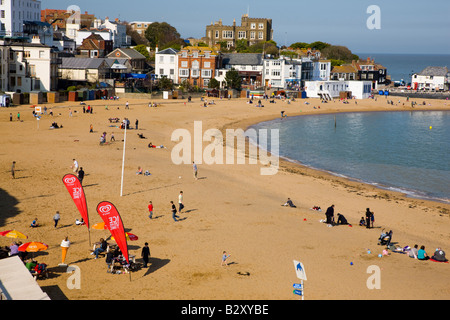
166 64
14 12
282 73
431 78
119 33
329 90
32 67
321 70
82 34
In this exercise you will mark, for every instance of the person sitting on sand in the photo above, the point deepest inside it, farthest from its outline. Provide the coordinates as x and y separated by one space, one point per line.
341 219
362 222
141 136
34 223
289 203
413 252
422 254
139 171
439 255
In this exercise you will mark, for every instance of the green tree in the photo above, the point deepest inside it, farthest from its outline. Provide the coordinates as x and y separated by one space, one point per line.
214 84
142 49
161 33
165 84
233 79
338 53
242 46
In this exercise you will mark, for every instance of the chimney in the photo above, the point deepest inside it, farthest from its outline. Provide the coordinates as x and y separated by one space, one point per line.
36 40
156 49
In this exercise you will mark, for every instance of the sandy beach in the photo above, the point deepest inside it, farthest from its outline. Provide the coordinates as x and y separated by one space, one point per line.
230 208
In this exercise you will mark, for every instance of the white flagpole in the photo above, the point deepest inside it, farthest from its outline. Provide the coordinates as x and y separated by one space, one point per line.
123 159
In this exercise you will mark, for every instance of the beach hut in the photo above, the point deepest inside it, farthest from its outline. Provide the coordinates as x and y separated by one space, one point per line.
73 96
17 98
52 97
36 97
91 95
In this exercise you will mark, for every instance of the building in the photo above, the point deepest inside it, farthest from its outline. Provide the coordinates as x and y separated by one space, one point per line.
83 70
14 12
119 32
431 78
32 67
140 26
137 60
369 70
95 46
64 43
84 33
249 66
251 30
57 18
328 90
198 65
282 73
166 64
321 70
344 72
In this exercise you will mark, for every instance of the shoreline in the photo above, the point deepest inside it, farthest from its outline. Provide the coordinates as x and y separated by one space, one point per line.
296 167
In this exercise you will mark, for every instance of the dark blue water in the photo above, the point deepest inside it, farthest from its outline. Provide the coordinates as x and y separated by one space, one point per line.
402 66
400 151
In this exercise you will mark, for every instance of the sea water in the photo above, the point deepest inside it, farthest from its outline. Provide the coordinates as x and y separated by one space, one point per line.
403 66
401 151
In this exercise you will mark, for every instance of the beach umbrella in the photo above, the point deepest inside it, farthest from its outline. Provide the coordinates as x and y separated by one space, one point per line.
13 234
130 237
33 247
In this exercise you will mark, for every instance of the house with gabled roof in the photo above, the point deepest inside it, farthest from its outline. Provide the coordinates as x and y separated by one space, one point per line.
95 46
166 64
431 78
136 59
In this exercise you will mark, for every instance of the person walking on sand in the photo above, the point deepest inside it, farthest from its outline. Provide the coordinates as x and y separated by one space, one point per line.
150 209
75 166
112 137
127 105
13 170
225 257
18 116
180 202
137 124
329 214
194 167
145 254
10 117
174 212
81 175
56 218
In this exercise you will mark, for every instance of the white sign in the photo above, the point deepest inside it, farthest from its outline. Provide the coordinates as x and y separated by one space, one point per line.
300 270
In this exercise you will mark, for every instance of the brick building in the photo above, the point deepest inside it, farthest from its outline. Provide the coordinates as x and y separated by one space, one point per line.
198 65
252 30
95 46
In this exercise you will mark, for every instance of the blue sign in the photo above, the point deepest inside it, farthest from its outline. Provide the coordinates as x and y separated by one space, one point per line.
297 286
298 292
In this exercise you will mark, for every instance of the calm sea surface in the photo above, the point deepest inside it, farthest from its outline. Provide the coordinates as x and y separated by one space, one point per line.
402 66
400 151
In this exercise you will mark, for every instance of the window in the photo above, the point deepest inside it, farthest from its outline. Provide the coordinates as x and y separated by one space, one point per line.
217 34
26 54
260 35
184 72
184 54
252 35
41 54
195 64
184 64
227 34
276 73
206 73
242 35
2 14
161 59
207 55
161 71
195 73
172 59
205 82
253 26
207 64
195 54
172 72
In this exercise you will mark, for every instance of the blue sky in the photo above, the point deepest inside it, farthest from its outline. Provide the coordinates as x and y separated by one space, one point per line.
411 26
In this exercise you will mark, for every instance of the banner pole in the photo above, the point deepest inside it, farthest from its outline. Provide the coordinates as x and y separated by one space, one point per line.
123 159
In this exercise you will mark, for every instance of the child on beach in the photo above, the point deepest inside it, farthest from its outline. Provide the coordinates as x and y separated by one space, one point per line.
224 258
150 209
